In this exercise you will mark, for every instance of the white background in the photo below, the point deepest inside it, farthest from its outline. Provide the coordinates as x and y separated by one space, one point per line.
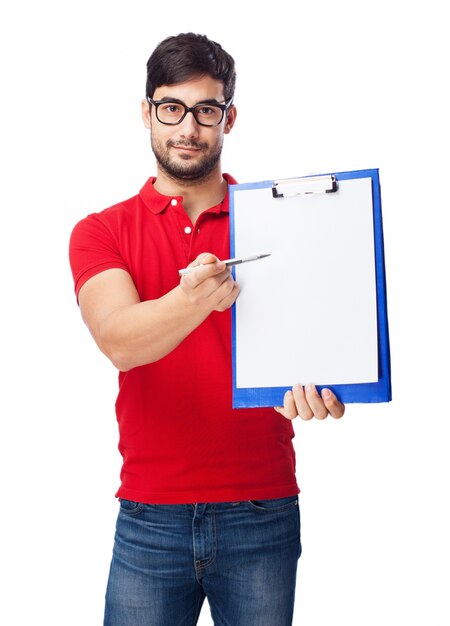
322 86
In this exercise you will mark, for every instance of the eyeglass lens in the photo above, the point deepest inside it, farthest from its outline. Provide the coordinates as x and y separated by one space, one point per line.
173 112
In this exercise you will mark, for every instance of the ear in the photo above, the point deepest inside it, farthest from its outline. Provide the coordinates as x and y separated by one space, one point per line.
230 120
146 113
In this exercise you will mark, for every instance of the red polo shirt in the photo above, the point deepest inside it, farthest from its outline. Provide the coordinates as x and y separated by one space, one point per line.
180 439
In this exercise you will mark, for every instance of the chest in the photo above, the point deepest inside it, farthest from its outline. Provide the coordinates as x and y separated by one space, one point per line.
155 247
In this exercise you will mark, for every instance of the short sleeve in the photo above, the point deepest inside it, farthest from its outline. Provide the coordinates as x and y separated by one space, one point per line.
93 248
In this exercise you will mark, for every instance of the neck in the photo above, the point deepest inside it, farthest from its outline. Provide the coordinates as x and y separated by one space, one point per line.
197 195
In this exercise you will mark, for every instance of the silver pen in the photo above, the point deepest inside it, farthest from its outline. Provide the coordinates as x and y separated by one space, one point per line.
228 263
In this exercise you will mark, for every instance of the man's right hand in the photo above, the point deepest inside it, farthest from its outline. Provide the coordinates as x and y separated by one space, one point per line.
210 283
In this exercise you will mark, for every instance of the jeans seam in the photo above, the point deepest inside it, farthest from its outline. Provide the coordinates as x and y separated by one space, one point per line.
281 509
132 512
212 558
197 611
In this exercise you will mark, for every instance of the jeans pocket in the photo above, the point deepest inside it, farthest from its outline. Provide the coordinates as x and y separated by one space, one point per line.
130 507
274 505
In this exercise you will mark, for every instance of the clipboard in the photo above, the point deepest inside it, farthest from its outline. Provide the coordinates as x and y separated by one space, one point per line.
310 314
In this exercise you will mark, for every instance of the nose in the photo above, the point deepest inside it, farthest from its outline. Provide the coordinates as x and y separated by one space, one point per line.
189 126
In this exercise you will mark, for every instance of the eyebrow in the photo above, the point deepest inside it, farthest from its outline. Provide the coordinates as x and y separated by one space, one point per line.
178 101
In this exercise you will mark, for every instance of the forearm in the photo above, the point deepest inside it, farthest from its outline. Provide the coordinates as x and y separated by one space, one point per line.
145 332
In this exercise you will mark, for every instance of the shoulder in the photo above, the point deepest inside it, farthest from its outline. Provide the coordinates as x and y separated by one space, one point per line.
111 215
116 217
110 221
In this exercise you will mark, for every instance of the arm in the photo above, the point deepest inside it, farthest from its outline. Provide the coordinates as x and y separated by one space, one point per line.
133 333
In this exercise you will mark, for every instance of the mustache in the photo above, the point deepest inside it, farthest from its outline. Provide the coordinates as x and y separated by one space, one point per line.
187 144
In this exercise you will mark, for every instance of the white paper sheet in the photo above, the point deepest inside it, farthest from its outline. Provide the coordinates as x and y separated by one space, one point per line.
307 313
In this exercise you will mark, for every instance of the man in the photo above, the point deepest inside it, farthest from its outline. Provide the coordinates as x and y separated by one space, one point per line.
208 495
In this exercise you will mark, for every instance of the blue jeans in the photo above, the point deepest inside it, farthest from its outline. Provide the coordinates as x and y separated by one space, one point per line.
167 558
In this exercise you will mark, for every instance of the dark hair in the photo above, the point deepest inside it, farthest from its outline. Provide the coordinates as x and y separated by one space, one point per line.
180 58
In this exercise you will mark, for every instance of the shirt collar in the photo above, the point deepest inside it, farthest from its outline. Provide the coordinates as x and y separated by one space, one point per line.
157 203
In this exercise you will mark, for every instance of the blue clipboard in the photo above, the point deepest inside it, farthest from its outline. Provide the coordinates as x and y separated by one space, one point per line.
379 391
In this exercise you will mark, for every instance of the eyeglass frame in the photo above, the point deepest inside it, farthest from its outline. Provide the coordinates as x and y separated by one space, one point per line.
223 106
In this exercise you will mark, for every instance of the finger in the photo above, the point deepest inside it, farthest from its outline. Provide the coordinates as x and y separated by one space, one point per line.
303 408
221 293
230 297
201 273
289 410
315 402
215 278
205 258
335 408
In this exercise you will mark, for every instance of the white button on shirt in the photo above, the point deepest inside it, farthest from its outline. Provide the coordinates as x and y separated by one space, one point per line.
174 202
188 230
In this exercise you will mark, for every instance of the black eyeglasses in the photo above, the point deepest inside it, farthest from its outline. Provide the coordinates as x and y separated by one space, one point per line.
206 113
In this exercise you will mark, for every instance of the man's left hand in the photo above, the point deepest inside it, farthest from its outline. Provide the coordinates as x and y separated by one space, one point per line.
305 402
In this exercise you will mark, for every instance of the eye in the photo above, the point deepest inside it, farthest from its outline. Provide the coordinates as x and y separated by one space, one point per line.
206 110
172 108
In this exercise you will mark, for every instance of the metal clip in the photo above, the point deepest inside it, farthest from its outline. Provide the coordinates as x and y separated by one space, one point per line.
302 186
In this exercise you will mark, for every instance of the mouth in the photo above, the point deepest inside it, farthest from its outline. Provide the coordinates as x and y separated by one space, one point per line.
187 150
187 147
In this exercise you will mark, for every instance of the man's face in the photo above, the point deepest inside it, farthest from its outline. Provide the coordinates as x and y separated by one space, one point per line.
188 151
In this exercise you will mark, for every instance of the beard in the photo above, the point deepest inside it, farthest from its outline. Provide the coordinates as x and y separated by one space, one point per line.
184 170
